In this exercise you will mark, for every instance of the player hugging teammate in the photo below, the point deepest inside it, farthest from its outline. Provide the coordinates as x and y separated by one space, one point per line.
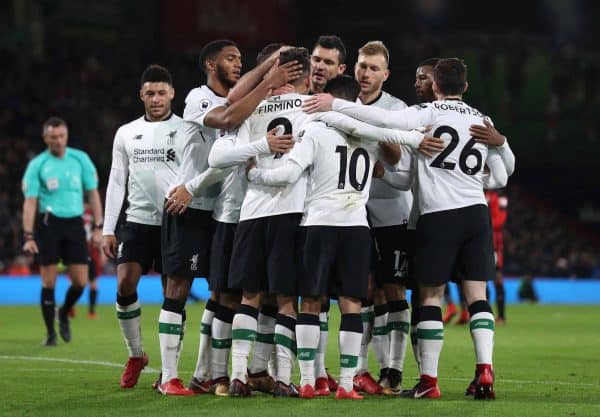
284 200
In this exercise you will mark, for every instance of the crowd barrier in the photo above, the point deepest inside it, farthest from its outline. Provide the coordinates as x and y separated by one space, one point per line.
26 290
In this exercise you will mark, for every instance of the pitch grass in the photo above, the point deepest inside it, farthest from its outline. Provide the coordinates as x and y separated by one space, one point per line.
546 362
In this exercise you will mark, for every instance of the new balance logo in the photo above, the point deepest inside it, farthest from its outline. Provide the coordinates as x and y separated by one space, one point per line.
170 155
138 137
304 355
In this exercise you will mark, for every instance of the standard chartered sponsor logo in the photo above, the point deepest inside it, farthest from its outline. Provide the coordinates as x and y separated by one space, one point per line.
144 155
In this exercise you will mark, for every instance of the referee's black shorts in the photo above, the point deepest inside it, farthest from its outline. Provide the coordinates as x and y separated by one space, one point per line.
61 238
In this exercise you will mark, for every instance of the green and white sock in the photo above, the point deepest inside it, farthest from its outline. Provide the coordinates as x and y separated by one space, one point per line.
129 315
399 325
243 335
202 371
169 334
307 340
366 315
221 341
285 346
320 370
381 336
349 343
482 331
264 345
180 346
430 332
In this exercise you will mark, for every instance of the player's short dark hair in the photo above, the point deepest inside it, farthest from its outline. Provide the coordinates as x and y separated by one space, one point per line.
53 122
344 87
297 54
267 51
211 50
332 42
450 75
429 62
156 74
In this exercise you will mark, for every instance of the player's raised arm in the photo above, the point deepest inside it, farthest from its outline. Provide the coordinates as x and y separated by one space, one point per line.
228 117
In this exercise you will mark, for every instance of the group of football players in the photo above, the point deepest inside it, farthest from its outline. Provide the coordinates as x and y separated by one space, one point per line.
295 184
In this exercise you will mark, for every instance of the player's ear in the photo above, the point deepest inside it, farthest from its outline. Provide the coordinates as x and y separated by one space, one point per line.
171 93
435 88
386 74
142 93
466 87
341 69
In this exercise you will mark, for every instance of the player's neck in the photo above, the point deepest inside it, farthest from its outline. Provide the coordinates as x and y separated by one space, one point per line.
217 87
370 98
164 117
441 97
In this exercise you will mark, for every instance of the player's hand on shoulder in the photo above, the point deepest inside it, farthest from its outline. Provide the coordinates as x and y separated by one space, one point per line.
378 170
178 200
429 146
279 143
109 246
318 103
487 134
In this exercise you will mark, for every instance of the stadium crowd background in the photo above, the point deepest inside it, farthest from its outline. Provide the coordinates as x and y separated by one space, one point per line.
536 72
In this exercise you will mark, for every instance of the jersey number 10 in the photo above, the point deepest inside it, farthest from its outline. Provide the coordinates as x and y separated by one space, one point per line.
357 153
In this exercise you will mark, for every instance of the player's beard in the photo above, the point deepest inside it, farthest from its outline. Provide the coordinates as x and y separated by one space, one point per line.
223 78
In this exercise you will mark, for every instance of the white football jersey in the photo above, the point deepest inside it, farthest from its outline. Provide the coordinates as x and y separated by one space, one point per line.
340 171
452 178
229 202
261 200
199 138
146 158
387 205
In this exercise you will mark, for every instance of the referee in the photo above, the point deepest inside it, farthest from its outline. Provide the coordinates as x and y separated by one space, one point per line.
53 185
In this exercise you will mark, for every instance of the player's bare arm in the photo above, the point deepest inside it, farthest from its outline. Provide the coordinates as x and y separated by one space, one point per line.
252 78
232 116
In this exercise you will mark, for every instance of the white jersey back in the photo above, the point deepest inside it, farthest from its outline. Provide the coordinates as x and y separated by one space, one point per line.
261 200
340 172
199 138
387 205
150 153
454 177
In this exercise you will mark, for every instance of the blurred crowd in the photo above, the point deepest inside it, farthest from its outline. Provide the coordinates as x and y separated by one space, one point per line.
542 95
